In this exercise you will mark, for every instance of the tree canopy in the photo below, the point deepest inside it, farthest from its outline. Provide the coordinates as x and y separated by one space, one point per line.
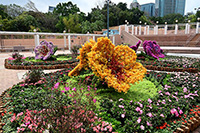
67 16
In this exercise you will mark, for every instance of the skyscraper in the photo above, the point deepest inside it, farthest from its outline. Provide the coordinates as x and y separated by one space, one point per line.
135 4
164 7
148 9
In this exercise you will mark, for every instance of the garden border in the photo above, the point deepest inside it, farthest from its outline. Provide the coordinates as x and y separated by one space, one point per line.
20 67
59 66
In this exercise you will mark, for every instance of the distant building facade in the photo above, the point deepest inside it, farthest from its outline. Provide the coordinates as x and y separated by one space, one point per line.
135 4
164 7
51 8
148 9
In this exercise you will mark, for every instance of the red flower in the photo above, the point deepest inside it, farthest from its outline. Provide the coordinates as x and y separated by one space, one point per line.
2 114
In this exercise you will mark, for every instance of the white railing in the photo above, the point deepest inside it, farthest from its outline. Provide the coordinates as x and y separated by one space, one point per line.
64 38
181 28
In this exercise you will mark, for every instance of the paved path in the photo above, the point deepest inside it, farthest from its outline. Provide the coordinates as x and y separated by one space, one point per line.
9 77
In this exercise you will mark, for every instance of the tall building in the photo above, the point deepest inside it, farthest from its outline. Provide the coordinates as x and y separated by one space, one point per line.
164 7
135 4
148 9
51 8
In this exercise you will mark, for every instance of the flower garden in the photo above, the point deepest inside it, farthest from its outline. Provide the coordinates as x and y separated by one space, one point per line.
106 89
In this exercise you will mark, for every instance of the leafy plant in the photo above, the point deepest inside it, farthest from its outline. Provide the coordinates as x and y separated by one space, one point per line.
34 75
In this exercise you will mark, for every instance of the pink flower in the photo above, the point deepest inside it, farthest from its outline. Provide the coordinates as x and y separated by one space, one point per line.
141 112
67 88
167 93
162 115
56 85
184 89
94 100
150 115
141 106
180 112
139 120
121 106
173 111
121 99
63 91
137 109
74 89
148 124
149 100
142 127
122 115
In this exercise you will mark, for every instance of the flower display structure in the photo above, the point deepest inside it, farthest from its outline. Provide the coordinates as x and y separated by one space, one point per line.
115 65
45 50
135 47
151 48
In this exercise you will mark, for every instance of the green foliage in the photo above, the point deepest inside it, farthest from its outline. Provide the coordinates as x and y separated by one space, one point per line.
171 18
65 9
33 76
72 23
139 91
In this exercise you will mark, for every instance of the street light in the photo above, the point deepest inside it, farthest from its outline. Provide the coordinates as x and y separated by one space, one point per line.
176 21
165 22
108 18
140 22
198 19
157 22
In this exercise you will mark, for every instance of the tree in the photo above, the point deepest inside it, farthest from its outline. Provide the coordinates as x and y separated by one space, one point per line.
14 10
72 23
64 9
30 6
23 23
171 18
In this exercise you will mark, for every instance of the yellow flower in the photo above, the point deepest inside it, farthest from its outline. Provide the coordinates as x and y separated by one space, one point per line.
116 65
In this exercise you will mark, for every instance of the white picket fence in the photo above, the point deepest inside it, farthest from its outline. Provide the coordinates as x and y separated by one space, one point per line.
181 28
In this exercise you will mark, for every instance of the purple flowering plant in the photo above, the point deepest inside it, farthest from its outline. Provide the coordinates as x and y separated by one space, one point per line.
45 50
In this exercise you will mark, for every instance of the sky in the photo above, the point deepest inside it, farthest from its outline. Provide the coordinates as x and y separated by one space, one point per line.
86 5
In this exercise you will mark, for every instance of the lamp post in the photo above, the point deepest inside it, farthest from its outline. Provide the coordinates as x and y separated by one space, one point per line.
145 28
140 27
188 26
108 18
165 28
176 27
197 26
156 29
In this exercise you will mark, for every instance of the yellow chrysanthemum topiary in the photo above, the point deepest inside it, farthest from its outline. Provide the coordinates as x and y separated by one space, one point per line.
116 65
86 48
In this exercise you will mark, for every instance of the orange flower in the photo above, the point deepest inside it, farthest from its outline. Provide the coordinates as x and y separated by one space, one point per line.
117 66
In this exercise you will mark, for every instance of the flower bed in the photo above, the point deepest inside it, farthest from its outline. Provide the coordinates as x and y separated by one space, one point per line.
174 105
105 92
29 63
172 63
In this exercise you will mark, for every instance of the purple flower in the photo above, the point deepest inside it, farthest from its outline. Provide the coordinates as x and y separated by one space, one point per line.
139 120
